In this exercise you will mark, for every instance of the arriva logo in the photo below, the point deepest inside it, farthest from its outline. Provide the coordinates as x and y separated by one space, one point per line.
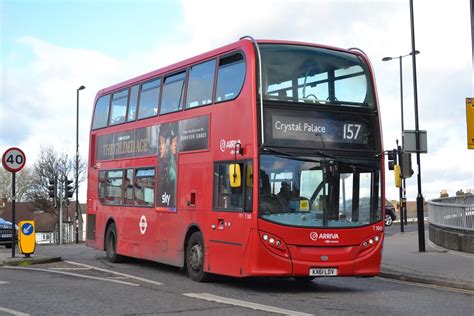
326 236
228 144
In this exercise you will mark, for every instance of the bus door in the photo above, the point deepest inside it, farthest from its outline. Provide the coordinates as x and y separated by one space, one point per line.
140 216
230 220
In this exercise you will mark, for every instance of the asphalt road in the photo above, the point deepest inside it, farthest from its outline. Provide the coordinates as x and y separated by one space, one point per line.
395 228
142 287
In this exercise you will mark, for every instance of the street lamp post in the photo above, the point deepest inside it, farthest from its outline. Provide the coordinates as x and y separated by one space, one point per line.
419 197
77 162
403 211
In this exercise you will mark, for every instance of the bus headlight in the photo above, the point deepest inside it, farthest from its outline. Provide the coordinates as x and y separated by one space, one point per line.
275 244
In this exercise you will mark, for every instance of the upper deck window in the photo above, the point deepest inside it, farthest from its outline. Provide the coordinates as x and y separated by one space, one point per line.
173 92
149 97
101 113
119 107
315 75
132 105
230 77
200 84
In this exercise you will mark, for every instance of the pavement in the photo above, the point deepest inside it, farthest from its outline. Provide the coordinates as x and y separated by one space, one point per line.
401 260
22 260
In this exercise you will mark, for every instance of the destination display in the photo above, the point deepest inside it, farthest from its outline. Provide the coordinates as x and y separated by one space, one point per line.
321 130
191 134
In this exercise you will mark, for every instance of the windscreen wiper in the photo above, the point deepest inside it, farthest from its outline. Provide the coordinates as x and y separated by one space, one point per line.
287 154
325 155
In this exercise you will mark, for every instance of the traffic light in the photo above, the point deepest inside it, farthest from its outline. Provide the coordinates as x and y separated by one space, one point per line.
397 175
392 165
392 158
53 189
68 188
405 162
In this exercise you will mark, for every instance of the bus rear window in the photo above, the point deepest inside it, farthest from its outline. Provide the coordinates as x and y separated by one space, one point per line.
101 114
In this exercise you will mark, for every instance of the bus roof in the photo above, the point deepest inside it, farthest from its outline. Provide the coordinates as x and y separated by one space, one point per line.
243 44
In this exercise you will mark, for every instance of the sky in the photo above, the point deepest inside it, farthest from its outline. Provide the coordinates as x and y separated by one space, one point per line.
49 48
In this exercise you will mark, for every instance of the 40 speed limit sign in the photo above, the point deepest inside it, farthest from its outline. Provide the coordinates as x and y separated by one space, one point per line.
13 159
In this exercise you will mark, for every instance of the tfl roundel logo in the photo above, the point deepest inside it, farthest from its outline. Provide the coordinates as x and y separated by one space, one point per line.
313 236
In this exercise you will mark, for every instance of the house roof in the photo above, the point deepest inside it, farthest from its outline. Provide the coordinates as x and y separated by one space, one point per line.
44 221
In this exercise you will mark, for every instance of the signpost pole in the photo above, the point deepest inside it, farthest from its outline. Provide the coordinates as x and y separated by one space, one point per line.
13 160
400 191
13 213
60 212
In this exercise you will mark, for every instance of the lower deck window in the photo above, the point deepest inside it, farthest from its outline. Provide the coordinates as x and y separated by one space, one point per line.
130 187
113 187
145 187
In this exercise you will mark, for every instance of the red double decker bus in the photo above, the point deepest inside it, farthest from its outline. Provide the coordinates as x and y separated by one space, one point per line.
259 158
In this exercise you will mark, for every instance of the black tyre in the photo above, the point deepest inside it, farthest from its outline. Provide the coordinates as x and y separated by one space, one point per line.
388 220
9 246
195 258
111 244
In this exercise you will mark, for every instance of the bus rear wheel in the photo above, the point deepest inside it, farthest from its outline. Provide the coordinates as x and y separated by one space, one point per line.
195 258
111 244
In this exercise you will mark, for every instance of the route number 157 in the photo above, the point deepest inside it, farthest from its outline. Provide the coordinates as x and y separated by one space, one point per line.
351 131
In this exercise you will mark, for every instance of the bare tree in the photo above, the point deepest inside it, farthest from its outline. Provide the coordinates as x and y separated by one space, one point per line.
23 183
51 164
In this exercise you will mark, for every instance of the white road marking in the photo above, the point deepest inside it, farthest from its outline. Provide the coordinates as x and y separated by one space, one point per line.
430 286
12 312
245 304
117 277
4 282
70 269
116 273
74 274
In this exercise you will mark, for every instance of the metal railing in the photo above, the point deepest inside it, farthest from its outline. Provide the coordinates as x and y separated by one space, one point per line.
452 212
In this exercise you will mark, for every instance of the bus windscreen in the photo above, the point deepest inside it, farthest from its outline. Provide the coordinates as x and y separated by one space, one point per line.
311 75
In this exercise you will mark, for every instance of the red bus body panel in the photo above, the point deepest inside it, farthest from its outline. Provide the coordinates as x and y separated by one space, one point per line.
235 247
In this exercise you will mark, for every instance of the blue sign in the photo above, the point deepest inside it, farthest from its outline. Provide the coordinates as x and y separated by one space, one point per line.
27 229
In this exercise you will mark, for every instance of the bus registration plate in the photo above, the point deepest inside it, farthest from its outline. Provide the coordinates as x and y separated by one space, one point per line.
323 271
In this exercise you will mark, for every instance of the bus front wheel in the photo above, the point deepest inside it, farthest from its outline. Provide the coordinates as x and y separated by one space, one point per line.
195 258
111 244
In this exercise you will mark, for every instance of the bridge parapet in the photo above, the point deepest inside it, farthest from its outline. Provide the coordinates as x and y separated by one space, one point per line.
452 222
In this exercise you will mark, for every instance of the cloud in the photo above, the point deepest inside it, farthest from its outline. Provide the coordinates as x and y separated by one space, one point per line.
39 99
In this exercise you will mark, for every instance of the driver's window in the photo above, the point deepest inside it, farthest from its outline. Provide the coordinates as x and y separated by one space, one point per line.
310 181
227 197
